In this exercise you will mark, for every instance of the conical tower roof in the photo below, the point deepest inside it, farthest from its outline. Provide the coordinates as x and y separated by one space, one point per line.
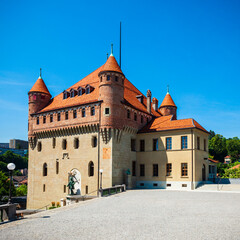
40 86
111 65
167 101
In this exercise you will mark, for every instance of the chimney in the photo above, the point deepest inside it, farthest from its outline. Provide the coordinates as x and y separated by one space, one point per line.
149 95
155 104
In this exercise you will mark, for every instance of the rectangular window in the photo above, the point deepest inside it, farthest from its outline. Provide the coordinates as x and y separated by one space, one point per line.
83 112
133 145
94 141
168 143
92 111
54 142
128 114
44 187
57 167
64 188
107 111
142 145
169 169
37 120
44 119
59 116
135 117
108 77
205 144
74 113
184 169
155 144
198 143
116 78
86 192
66 115
141 119
142 170
51 118
134 168
184 142
155 170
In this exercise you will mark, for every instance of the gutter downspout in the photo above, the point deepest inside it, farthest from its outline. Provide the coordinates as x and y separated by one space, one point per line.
100 112
192 187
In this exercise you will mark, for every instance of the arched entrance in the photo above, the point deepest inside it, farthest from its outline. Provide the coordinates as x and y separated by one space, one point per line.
203 173
77 179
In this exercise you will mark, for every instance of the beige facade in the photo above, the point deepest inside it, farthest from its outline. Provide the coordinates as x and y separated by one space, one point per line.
105 123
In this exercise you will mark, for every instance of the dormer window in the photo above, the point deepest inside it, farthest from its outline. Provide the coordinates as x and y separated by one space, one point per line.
89 89
81 91
65 94
140 98
72 93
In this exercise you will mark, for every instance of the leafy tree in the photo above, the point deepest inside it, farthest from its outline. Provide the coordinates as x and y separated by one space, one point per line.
233 148
232 173
21 190
4 186
9 156
211 135
217 147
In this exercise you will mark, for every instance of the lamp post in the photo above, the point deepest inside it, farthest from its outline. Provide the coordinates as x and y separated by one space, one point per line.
101 171
11 167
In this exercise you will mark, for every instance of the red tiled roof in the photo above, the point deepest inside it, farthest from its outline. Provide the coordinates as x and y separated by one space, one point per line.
40 86
167 101
130 93
212 160
111 65
166 123
235 167
227 156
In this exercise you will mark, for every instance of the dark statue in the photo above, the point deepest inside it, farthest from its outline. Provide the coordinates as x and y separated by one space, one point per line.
71 184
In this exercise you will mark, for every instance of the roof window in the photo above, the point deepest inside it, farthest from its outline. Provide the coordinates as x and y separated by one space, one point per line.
140 98
65 94
73 93
81 91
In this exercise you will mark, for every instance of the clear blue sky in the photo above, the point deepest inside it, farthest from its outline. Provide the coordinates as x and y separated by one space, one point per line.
194 46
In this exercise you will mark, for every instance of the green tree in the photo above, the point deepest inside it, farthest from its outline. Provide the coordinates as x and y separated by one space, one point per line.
217 147
21 190
4 186
233 148
211 135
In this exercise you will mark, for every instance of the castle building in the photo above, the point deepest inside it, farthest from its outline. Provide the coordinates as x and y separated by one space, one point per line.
104 122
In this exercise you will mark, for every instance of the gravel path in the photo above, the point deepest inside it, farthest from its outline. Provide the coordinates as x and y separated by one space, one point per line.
138 214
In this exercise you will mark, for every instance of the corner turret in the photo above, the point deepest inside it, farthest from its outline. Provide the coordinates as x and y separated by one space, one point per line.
111 92
168 106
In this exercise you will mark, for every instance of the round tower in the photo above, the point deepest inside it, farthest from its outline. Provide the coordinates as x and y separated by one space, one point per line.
111 92
168 106
38 98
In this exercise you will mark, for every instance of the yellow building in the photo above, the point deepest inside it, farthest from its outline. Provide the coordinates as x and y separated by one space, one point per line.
104 122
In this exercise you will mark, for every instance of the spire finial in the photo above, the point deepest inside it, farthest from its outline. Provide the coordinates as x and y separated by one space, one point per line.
167 89
40 76
111 50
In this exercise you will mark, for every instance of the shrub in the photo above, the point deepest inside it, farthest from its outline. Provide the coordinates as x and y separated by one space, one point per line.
21 190
53 204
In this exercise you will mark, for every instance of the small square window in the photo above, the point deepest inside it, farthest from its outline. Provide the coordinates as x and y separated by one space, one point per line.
141 184
107 111
155 184
169 185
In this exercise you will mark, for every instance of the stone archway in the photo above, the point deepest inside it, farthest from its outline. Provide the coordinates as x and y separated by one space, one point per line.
203 173
77 179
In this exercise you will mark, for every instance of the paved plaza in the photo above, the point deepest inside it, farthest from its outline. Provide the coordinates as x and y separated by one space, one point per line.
137 214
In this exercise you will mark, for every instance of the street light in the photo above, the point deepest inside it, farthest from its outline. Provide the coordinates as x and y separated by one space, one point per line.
101 171
11 167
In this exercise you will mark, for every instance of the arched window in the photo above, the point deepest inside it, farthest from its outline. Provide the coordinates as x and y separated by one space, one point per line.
90 169
44 169
128 113
39 147
76 143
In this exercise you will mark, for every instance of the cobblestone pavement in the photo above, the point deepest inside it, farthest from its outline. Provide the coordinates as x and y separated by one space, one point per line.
137 214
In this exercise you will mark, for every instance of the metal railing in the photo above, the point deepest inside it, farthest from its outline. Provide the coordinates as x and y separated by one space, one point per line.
112 190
